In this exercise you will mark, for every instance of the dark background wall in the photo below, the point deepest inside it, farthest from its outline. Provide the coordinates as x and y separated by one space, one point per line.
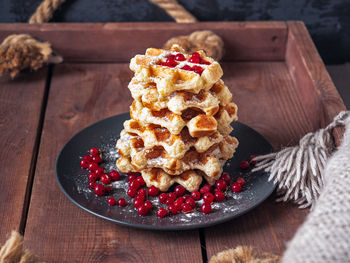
327 20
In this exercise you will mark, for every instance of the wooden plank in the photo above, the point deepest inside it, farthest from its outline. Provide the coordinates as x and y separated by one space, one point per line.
315 88
266 228
20 109
118 42
57 230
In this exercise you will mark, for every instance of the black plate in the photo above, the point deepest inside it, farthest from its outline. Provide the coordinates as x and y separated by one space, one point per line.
74 182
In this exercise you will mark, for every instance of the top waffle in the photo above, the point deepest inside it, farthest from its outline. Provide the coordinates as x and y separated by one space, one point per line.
186 73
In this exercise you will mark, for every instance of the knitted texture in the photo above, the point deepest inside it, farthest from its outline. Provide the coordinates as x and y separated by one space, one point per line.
325 235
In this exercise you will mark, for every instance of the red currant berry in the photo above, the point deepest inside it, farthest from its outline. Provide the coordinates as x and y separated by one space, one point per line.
87 158
204 62
236 187
186 67
131 192
84 163
141 197
196 55
240 180
92 184
173 209
94 151
186 208
219 196
142 210
99 171
163 197
178 202
196 195
164 64
140 180
134 184
99 190
172 196
191 202
92 167
169 201
195 60
208 198
105 179
131 177
148 205
206 208
142 192
205 189
179 190
93 177
121 202
186 196
244 165
161 212
111 201
138 202
251 160
180 57
197 69
221 185
96 159
153 191
226 177
115 176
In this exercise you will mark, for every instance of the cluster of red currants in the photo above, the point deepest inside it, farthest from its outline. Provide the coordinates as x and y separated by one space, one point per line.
178 201
195 58
91 162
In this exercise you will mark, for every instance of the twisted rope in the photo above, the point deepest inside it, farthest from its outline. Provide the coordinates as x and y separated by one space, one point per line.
298 171
212 44
175 10
45 11
12 251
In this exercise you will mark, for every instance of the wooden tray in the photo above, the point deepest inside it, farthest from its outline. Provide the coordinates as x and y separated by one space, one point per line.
279 83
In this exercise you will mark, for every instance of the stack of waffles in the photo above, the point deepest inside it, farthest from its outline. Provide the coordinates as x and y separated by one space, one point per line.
180 125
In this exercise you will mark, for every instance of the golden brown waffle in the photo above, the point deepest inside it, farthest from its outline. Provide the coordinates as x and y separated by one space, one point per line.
148 69
198 123
131 147
191 179
178 101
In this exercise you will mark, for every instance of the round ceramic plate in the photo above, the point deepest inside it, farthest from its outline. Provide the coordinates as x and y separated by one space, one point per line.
74 181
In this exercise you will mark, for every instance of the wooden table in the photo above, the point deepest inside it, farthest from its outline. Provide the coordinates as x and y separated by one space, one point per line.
279 83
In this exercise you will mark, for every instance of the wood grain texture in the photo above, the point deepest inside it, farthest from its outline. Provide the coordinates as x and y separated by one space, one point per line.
20 109
57 230
267 228
307 70
118 42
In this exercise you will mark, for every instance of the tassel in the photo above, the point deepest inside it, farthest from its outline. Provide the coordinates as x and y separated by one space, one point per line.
298 171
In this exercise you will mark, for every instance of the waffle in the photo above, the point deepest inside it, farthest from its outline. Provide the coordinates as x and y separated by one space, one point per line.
177 102
181 117
131 147
191 179
175 145
199 124
148 69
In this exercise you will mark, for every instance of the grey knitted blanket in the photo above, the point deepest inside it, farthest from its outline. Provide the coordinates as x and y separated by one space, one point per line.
325 235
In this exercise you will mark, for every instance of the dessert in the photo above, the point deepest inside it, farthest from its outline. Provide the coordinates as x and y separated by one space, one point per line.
181 116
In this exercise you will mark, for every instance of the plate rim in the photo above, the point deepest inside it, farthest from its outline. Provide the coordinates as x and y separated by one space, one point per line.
155 227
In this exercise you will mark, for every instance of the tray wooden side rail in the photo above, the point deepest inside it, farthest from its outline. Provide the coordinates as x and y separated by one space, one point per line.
277 78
